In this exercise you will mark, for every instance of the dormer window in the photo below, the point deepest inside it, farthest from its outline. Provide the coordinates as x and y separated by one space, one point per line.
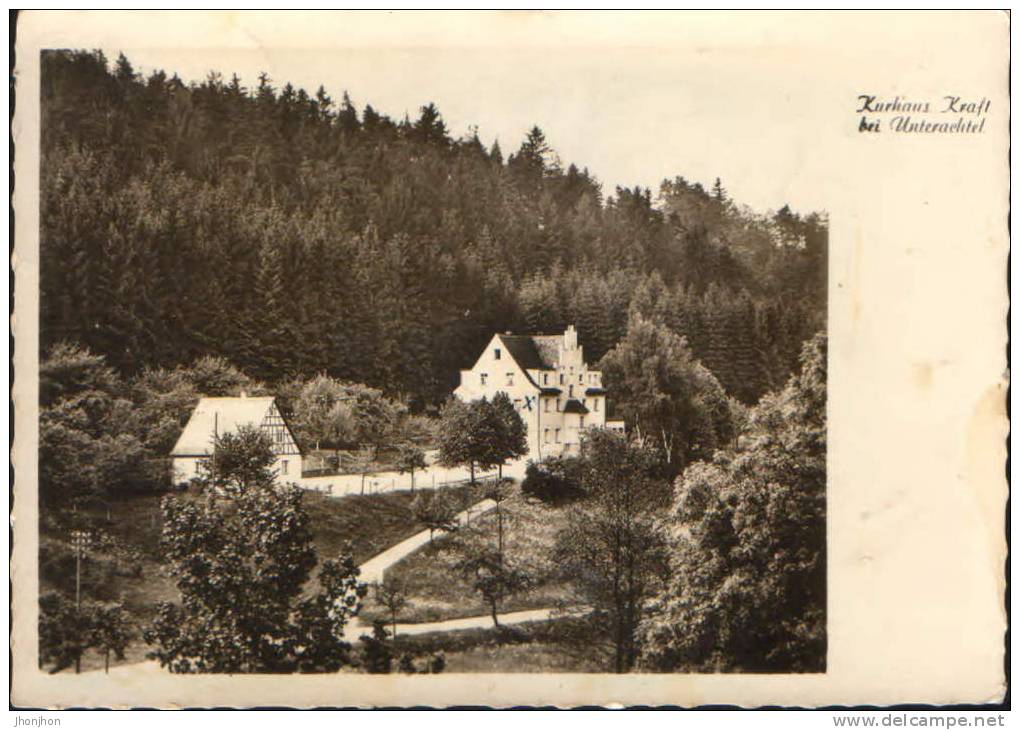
496 353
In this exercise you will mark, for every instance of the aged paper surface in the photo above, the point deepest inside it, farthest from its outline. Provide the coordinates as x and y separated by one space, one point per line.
917 314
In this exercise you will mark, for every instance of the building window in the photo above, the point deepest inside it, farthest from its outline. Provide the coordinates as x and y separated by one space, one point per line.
547 435
483 377
562 378
547 400
557 435
595 403
570 393
496 353
557 405
580 422
580 379
283 467
545 378
509 378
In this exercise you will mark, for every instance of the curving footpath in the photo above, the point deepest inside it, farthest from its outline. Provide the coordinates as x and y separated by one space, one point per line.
485 622
374 569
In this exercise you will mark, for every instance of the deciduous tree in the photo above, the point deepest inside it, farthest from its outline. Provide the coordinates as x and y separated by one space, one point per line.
240 565
666 396
409 459
495 579
391 595
747 545
611 544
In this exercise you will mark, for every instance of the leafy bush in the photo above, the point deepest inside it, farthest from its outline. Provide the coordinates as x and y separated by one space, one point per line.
554 480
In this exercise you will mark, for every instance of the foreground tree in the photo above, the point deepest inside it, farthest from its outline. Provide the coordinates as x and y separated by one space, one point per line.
240 565
376 417
241 461
391 595
512 439
87 452
669 399
376 657
499 492
495 580
111 631
611 545
435 510
747 545
410 458
65 631
457 437
323 414
481 434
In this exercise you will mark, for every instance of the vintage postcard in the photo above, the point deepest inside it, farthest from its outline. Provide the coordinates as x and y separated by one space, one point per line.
509 358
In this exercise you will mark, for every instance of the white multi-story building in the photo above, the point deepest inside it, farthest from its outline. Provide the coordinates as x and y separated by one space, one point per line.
214 417
550 384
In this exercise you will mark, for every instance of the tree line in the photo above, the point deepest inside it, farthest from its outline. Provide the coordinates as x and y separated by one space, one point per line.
104 436
294 234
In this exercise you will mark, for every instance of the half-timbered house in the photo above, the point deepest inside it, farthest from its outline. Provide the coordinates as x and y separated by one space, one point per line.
214 417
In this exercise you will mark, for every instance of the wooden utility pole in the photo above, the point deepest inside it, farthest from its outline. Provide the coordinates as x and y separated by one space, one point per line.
80 540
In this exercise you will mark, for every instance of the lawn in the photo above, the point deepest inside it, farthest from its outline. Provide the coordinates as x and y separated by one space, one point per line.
371 523
127 567
438 590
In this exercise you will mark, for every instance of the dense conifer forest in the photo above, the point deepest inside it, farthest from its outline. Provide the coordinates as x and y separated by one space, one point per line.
293 233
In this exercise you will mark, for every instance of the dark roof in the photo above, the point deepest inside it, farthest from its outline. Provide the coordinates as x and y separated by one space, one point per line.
523 350
595 391
574 406
534 352
548 347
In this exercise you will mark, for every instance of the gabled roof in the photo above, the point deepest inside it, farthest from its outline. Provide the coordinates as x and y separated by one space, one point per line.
538 352
548 347
522 349
219 415
574 406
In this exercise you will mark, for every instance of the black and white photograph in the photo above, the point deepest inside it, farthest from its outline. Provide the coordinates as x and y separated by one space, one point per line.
431 360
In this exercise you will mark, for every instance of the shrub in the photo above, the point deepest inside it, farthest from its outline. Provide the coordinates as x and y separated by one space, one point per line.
554 480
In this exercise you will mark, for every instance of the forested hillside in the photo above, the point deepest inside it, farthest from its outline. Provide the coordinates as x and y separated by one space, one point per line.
292 233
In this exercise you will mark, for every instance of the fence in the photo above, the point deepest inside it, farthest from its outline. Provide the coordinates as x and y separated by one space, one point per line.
382 485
